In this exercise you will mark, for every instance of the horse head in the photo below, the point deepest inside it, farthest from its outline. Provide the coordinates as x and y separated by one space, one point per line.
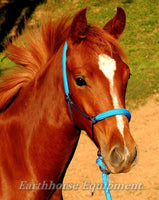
97 79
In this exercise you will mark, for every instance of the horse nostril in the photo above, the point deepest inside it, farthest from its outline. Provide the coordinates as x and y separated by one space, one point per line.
135 156
116 157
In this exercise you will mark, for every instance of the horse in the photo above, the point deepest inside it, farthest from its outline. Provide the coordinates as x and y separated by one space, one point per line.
38 132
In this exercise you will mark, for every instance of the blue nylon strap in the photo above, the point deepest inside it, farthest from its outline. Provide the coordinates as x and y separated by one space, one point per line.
65 81
110 113
105 178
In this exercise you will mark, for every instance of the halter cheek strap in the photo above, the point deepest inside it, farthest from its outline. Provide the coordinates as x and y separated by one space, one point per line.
65 81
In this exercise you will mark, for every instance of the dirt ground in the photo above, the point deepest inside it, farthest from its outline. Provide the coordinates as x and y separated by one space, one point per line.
141 183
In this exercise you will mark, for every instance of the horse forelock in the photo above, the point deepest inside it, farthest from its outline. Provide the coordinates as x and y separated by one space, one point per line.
100 42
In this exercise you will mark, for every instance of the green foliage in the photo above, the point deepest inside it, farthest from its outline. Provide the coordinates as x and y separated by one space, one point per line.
140 39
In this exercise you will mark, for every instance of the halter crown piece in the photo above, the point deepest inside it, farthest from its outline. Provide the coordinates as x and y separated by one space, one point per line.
93 119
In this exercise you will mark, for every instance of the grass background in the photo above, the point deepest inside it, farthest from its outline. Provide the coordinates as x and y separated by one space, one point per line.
140 39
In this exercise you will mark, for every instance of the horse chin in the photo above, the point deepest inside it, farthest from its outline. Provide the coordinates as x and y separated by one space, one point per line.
113 170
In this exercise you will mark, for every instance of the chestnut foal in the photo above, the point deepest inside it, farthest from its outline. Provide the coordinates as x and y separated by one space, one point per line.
38 134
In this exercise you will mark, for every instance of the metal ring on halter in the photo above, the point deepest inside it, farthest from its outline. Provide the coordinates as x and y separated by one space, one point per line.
93 120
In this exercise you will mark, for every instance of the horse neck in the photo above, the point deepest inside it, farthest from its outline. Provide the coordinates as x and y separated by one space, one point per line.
55 138
44 134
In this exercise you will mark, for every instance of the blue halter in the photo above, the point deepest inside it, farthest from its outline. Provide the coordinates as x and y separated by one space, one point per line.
99 117
94 120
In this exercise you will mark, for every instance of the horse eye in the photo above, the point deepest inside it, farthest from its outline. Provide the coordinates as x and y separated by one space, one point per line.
80 81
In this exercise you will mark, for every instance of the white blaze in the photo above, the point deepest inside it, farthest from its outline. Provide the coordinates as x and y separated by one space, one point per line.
108 66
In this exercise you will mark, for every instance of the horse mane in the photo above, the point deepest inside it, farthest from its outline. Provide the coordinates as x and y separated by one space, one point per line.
36 47
30 54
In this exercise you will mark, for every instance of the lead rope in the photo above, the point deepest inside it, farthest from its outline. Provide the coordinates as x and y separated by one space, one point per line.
105 176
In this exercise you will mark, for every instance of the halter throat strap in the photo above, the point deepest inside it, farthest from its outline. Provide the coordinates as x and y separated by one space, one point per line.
93 119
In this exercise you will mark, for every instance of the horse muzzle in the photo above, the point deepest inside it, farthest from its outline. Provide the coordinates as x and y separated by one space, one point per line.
118 160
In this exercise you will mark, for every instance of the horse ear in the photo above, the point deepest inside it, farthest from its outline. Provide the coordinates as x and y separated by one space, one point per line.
116 25
79 26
